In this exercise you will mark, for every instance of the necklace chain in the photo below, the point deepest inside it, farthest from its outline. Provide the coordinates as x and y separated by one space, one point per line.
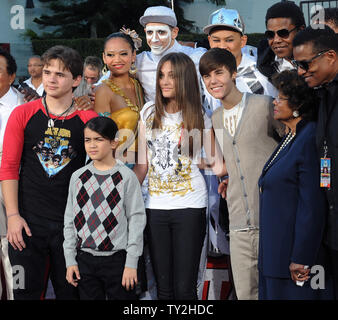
286 141
51 123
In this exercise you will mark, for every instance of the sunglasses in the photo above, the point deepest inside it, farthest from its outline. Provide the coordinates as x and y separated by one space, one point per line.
282 33
305 64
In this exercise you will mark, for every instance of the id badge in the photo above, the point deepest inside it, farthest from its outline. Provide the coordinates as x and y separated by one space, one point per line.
325 172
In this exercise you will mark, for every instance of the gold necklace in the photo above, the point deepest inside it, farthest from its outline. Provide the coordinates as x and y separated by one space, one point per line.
120 92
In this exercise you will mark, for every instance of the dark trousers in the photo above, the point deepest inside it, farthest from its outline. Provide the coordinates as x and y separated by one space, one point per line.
43 248
175 244
101 277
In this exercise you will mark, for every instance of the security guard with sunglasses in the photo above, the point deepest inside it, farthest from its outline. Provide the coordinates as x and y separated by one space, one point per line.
283 20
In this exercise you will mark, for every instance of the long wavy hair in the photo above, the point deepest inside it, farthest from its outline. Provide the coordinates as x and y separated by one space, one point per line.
187 96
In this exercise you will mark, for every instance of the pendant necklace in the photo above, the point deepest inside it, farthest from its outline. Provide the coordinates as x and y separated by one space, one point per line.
51 122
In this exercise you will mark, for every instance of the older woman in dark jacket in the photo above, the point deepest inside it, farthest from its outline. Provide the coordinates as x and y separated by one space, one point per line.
292 204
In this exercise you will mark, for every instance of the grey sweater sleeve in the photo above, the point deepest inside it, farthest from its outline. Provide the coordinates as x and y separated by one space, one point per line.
136 217
69 244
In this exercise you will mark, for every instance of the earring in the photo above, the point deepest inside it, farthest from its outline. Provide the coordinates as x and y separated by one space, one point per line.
133 69
295 114
105 69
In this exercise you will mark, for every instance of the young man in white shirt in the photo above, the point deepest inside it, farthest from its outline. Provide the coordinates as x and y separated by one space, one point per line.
226 30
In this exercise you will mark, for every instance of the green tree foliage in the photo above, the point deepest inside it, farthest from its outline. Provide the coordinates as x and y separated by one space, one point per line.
98 18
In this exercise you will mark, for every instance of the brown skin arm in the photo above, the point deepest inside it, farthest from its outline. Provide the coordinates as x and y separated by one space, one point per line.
103 100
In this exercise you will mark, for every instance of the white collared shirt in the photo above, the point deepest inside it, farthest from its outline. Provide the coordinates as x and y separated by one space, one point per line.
39 90
8 102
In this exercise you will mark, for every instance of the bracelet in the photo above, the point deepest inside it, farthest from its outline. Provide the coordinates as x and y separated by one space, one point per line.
13 214
221 179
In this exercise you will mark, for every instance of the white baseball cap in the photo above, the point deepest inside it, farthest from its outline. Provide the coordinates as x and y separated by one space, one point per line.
159 14
229 18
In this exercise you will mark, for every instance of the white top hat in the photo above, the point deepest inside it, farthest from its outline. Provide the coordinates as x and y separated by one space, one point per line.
229 18
159 14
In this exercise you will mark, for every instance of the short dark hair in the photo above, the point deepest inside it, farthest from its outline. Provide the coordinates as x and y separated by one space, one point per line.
215 58
93 61
123 36
330 15
300 96
70 58
321 39
104 126
11 64
286 9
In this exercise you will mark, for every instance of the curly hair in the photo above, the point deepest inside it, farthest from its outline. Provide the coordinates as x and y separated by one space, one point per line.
300 96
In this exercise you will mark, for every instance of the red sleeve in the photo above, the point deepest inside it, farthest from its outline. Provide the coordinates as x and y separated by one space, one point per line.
14 139
85 116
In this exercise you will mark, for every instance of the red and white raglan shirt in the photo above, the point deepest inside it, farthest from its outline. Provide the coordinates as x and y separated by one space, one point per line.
43 158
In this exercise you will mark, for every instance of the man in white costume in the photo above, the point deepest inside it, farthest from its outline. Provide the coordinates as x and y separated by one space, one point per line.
160 26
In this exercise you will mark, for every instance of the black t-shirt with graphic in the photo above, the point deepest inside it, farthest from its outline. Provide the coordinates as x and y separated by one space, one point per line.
49 156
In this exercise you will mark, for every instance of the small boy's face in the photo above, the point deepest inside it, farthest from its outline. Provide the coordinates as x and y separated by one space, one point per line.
230 40
220 82
57 80
97 147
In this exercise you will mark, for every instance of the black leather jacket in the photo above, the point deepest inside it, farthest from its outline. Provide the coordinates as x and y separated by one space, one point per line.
266 63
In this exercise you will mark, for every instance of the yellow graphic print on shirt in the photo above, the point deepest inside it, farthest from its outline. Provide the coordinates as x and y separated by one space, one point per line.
169 172
54 150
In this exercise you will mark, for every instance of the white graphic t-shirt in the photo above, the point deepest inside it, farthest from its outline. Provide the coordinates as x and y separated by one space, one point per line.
232 116
174 180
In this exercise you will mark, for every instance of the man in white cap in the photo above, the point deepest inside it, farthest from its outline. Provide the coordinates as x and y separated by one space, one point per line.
226 30
160 26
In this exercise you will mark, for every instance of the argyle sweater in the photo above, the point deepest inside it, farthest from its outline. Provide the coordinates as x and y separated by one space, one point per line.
104 214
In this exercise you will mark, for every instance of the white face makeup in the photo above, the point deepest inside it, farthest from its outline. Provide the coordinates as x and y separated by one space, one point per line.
158 38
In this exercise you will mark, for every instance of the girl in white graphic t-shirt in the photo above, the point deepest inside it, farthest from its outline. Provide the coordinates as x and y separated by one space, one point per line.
172 132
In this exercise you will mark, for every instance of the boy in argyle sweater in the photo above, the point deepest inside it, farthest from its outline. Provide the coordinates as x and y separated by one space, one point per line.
104 220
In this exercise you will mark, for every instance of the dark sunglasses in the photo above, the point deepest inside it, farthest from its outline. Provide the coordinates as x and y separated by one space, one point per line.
305 64
282 33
